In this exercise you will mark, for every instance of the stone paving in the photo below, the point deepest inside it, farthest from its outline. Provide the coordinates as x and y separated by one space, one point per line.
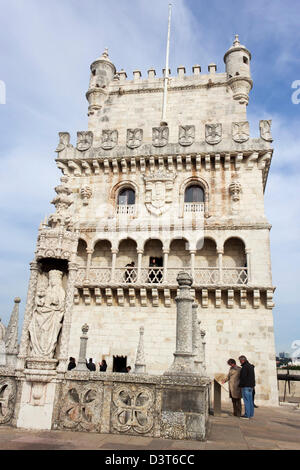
271 429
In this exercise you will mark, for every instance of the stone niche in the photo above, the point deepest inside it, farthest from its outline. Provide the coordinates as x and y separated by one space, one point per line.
134 404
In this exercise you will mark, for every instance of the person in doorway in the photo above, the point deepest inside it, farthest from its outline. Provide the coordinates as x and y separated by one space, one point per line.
129 273
247 384
103 365
128 369
235 393
72 363
90 365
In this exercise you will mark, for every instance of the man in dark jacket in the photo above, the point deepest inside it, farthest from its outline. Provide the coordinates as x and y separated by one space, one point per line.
247 384
90 365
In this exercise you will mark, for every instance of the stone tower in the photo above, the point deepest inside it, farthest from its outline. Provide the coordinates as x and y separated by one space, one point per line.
141 200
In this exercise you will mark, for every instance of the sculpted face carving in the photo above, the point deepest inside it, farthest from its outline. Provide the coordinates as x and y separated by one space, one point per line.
213 133
64 141
134 138
160 136
109 139
265 130
47 316
84 140
240 131
186 135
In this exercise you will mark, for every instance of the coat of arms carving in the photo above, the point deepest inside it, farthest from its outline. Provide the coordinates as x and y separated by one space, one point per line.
213 133
134 138
159 188
186 135
160 136
84 140
265 130
109 139
64 141
240 131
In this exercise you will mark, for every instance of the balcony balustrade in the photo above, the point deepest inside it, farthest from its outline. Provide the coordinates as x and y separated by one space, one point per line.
208 276
126 209
194 207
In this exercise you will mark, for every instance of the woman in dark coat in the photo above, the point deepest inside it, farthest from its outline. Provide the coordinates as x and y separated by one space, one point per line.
103 366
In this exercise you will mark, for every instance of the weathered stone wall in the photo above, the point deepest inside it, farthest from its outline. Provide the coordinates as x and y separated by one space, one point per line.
114 331
162 407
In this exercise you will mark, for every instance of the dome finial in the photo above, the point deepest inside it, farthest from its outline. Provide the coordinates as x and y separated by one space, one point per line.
236 42
105 54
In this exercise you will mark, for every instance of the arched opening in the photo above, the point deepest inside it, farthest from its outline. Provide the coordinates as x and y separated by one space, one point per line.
126 263
206 263
102 254
126 201
194 198
179 256
152 271
235 270
81 253
234 253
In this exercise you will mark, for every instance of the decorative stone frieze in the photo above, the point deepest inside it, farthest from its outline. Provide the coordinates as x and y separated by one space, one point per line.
8 395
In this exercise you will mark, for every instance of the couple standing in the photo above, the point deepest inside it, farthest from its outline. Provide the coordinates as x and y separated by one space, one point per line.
241 381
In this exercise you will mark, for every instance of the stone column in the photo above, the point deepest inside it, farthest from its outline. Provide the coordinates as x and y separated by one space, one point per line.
67 321
81 365
2 344
183 357
248 252
139 266
166 259
196 340
88 264
140 365
193 253
220 265
202 349
113 264
11 336
34 272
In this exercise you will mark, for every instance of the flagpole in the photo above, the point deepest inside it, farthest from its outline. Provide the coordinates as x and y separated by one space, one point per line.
166 78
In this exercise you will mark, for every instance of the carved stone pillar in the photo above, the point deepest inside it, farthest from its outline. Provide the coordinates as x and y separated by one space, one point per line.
166 259
140 363
195 330
220 265
113 264
66 327
11 336
193 253
23 350
184 357
88 264
248 255
139 266
81 365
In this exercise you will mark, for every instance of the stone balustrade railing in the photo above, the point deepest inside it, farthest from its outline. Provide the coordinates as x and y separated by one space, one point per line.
208 276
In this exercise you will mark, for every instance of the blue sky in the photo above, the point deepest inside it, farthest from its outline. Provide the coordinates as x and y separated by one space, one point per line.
46 50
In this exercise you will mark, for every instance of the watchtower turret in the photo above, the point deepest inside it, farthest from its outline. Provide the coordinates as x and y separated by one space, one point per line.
102 73
237 60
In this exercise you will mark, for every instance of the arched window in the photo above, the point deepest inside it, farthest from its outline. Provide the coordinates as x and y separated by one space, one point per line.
126 197
126 201
194 199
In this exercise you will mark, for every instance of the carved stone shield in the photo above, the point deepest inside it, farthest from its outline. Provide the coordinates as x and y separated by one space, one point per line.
213 133
84 140
265 130
160 136
159 187
109 139
240 131
64 141
186 135
134 138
